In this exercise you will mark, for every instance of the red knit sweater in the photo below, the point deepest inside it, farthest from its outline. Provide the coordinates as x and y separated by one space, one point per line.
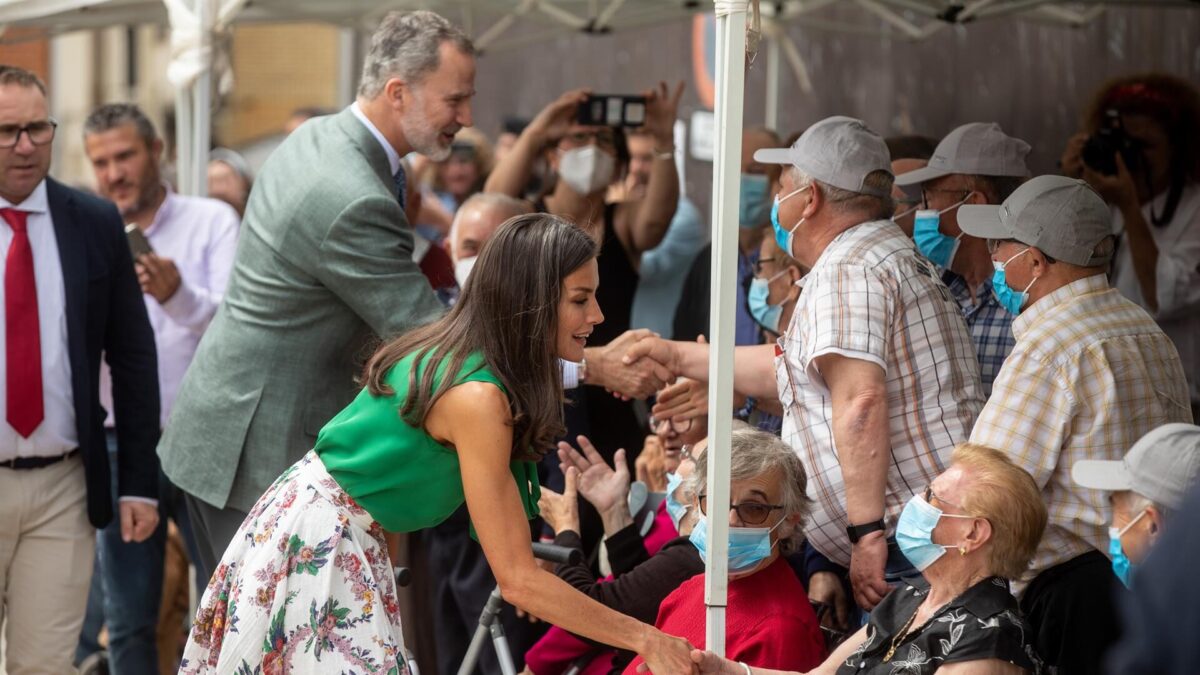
769 621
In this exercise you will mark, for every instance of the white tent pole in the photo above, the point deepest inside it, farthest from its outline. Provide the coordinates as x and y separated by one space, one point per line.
348 64
202 101
557 13
730 80
771 115
183 140
497 29
891 17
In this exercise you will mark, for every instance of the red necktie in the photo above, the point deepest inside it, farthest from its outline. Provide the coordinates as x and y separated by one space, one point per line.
23 345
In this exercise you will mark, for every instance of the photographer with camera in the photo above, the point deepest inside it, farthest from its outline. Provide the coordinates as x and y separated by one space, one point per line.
1141 151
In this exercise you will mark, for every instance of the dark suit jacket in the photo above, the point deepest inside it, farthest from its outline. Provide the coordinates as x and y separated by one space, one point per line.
106 315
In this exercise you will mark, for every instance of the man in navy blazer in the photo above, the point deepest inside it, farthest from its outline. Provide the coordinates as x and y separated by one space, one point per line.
68 295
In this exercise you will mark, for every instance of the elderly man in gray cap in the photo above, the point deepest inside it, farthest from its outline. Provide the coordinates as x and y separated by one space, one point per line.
1090 374
876 372
1145 489
977 163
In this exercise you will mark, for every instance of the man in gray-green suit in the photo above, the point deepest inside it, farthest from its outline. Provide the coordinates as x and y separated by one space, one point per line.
323 271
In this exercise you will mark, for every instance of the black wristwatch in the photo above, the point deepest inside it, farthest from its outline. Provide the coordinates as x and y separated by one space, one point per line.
856 532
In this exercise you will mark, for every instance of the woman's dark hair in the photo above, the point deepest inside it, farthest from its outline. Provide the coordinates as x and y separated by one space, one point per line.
508 311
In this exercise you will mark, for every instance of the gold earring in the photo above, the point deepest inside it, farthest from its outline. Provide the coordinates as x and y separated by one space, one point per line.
962 550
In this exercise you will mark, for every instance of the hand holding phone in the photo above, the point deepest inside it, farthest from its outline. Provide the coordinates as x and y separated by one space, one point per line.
138 244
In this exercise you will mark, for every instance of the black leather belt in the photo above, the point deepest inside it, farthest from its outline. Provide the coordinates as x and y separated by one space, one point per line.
36 462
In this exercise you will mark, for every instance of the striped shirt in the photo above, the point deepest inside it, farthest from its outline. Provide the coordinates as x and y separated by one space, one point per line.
871 296
1090 374
989 323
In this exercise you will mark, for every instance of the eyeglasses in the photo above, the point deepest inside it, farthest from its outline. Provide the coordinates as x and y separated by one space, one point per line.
677 428
758 265
925 194
930 495
994 245
40 133
750 513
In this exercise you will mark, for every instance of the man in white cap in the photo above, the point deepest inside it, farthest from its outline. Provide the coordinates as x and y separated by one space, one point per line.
977 163
876 372
1090 374
1145 489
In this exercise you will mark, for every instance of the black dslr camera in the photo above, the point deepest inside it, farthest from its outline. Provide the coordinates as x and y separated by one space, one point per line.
1101 148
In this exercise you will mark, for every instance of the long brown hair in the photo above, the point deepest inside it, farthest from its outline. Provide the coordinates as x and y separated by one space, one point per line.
508 311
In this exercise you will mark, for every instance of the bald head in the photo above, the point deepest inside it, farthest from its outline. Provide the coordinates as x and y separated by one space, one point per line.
478 219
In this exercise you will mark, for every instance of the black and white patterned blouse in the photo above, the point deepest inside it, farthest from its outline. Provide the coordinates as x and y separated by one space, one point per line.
982 623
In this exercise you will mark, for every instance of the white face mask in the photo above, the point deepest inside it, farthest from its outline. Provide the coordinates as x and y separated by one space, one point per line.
586 170
462 270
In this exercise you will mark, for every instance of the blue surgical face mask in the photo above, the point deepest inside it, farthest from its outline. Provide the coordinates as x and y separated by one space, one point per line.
1009 299
748 546
752 202
914 532
932 244
766 314
784 237
1121 564
675 509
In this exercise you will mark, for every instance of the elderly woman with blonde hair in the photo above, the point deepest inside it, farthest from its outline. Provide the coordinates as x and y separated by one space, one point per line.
974 528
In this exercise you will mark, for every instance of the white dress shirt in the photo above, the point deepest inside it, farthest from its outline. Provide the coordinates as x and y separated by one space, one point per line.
392 155
1177 277
200 235
56 435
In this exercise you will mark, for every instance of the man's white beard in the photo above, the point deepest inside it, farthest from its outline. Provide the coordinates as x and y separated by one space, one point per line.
424 139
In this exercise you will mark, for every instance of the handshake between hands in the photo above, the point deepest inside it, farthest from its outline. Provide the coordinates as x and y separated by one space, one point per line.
639 364
629 366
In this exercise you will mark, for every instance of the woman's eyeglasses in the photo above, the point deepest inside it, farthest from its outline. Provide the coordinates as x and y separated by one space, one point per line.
750 513
930 495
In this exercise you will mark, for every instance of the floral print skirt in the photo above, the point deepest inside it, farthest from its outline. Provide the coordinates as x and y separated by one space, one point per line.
306 586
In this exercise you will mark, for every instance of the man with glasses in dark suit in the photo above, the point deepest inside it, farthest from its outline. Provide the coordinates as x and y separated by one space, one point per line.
70 293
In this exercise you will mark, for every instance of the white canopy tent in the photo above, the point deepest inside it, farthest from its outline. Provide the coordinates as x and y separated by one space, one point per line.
200 28
200 32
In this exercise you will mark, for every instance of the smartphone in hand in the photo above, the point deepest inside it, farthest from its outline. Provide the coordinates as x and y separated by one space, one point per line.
138 244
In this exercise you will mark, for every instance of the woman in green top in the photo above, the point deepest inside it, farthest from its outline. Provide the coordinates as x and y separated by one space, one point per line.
455 410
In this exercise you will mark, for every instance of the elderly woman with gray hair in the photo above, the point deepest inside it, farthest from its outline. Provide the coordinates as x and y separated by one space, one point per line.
769 621
975 527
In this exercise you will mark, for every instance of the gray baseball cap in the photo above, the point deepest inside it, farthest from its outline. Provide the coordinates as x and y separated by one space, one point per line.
1162 466
1061 217
839 151
975 149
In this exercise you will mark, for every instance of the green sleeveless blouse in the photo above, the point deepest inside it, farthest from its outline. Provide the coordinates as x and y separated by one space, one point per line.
404 478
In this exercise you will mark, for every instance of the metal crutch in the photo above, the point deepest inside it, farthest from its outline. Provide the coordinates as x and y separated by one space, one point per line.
489 618
403 579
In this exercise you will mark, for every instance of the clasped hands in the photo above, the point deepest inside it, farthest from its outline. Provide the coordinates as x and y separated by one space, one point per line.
639 364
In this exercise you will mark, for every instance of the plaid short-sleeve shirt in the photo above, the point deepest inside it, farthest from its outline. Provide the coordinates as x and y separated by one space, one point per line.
871 296
989 323
1090 374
